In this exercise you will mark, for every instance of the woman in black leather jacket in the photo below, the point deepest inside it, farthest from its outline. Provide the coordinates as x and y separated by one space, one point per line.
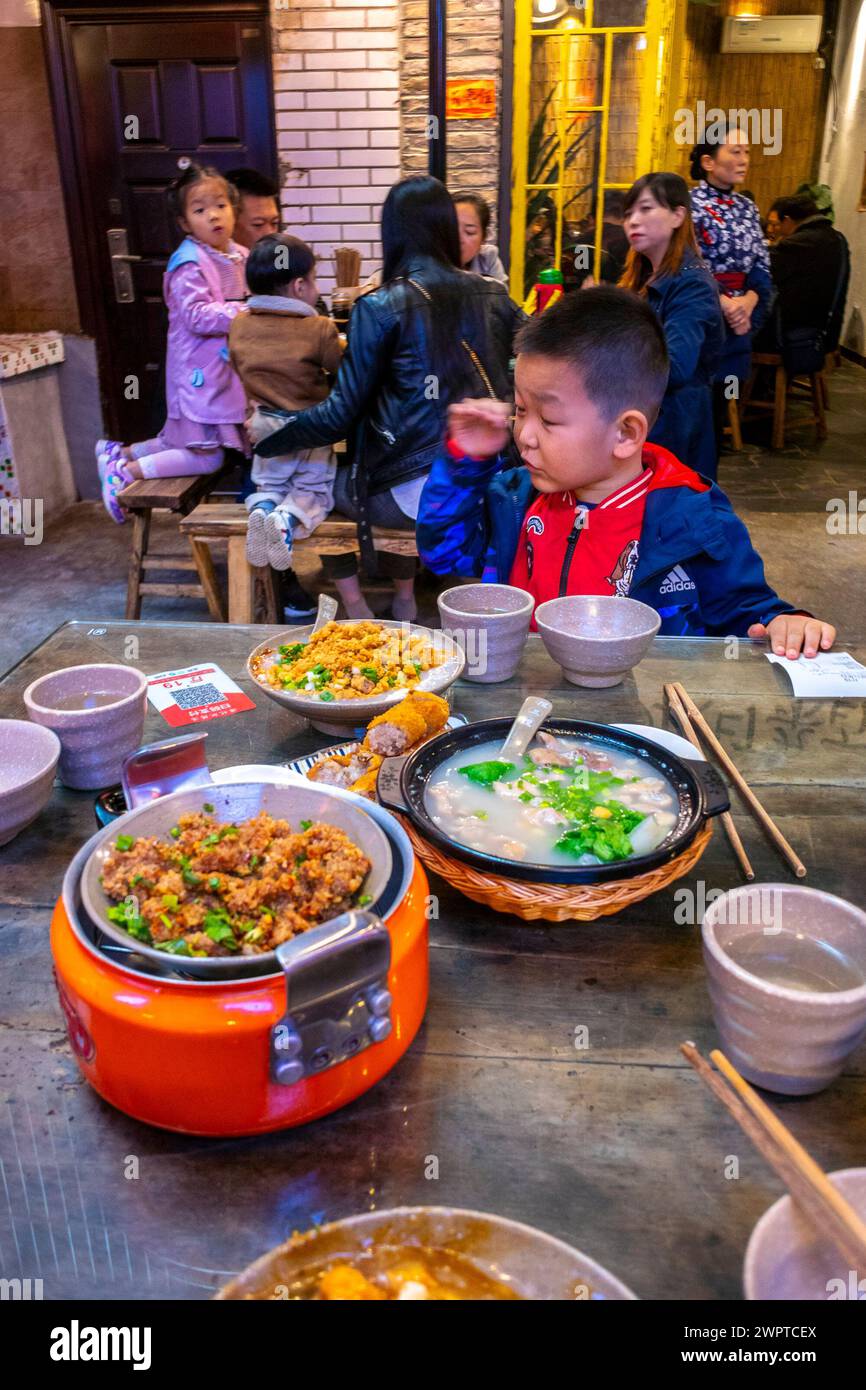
430 334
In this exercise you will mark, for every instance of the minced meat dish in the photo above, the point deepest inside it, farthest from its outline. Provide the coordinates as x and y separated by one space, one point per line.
217 889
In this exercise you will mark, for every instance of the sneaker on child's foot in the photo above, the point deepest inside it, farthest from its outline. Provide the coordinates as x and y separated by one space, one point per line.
257 543
108 451
114 482
278 540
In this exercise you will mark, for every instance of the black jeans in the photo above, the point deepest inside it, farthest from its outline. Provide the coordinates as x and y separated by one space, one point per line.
383 511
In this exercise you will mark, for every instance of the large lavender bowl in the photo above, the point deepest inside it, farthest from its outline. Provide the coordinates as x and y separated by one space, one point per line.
103 730
596 640
28 762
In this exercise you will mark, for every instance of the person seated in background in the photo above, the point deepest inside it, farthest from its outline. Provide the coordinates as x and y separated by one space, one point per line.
664 267
810 264
597 510
258 208
284 352
772 225
473 223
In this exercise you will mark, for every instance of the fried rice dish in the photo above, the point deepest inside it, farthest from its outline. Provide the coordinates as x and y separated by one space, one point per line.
218 889
349 661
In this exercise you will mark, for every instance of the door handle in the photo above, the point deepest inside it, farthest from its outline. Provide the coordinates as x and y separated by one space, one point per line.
121 260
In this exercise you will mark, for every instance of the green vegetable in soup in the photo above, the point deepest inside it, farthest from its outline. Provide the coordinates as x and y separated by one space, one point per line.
485 774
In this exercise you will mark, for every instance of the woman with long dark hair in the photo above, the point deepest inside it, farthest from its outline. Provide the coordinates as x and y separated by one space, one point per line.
430 334
663 265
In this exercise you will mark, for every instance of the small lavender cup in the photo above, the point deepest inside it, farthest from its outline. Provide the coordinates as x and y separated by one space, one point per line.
28 762
98 714
791 1028
596 639
787 1259
490 623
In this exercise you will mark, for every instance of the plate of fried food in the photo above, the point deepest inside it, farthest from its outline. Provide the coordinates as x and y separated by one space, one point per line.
354 766
347 673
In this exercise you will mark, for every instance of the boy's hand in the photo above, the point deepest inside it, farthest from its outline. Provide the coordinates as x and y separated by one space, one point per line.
481 428
792 632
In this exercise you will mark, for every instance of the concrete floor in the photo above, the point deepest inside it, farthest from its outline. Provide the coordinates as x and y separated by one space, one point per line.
79 570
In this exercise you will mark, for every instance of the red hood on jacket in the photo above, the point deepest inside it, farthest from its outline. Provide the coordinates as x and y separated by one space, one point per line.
669 472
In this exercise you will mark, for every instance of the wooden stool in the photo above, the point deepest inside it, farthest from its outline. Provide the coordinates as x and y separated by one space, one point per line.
816 387
252 592
733 426
142 498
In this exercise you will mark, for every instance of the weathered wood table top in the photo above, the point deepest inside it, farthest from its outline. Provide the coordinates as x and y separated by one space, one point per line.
615 1146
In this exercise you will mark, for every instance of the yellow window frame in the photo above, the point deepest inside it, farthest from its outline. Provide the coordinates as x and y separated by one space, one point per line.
659 31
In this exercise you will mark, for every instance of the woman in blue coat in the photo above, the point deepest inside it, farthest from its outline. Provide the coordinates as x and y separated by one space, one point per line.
664 266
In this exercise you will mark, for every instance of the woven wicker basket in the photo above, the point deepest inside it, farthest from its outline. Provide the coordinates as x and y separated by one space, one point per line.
555 902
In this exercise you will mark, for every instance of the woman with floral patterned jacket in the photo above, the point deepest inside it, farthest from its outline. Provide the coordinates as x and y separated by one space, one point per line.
731 241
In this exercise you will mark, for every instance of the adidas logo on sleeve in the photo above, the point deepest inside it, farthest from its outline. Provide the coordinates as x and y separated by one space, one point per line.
677 582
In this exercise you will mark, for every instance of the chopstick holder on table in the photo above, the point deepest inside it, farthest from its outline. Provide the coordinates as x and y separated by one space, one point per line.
820 1202
762 816
731 831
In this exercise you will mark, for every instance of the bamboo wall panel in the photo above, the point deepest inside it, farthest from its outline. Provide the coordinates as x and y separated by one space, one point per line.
789 82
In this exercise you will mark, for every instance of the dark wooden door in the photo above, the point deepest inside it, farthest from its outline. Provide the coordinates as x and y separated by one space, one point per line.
140 91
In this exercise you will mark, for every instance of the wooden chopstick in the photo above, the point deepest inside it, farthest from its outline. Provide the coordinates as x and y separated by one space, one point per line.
764 819
679 713
822 1204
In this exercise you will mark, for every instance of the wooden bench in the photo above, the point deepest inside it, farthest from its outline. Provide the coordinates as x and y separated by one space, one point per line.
252 592
179 495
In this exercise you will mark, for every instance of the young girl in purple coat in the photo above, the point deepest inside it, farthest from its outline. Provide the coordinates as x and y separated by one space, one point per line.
204 288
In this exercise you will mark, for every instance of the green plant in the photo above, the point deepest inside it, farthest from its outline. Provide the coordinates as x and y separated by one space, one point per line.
541 167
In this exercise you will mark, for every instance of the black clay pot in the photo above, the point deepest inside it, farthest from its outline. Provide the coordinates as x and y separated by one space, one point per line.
701 791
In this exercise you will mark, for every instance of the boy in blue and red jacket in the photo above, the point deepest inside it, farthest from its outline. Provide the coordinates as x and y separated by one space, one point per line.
597 510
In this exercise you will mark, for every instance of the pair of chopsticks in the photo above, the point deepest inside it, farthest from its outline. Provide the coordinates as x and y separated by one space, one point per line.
687 715
820 1202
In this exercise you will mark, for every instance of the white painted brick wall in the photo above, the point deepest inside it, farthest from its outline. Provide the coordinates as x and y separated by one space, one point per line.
338 122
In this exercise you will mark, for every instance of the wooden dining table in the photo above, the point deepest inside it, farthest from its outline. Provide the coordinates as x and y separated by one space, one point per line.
546 1082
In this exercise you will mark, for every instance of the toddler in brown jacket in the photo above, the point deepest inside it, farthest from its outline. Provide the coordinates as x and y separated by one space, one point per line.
283 351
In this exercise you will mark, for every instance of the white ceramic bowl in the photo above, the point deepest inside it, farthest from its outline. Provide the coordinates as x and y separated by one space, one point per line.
28 761
596 640
345 717
787 1259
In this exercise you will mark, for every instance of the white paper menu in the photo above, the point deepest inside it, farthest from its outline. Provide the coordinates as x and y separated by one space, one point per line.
827 676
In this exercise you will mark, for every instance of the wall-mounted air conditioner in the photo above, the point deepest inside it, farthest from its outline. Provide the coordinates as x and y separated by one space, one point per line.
772 33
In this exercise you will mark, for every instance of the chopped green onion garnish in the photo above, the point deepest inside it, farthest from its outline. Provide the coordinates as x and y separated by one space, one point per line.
124 842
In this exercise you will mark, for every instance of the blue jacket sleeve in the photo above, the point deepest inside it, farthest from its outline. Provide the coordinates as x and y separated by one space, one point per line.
451 531
365 359
692 317
733 592
759 280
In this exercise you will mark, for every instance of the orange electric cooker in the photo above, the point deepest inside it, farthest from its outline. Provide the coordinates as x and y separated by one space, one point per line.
232 1056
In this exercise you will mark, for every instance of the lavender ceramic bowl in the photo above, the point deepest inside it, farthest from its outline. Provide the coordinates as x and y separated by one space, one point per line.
792 1032
596 640
28 762
787 1259
489 622
98 714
